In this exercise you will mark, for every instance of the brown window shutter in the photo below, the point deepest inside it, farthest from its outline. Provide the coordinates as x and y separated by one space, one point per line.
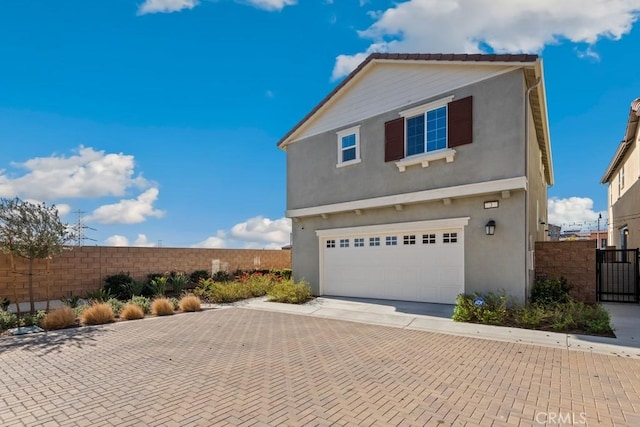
394 140
460 122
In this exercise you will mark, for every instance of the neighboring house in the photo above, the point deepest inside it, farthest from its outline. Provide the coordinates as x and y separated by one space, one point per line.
554 232
420 177
622 177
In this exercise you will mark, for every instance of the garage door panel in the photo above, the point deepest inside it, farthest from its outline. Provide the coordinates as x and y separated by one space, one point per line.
430 272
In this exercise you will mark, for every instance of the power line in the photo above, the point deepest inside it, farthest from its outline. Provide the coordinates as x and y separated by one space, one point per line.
79 228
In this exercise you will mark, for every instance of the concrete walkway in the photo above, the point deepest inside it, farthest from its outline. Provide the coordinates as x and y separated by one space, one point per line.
437 318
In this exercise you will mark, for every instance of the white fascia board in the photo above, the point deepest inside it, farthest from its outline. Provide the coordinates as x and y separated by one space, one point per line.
488 187
436 224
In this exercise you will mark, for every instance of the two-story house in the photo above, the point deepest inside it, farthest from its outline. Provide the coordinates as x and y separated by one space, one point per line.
623 186
420 177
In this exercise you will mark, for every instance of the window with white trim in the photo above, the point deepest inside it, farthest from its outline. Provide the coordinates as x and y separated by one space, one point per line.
358 242
331 243
449 237
427 132
428 239
344 243
391 241
349 146
374 241
409 239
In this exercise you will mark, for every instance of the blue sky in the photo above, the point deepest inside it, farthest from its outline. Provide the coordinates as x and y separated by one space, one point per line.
159 118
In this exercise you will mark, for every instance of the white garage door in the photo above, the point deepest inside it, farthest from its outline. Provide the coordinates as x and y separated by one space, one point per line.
425 264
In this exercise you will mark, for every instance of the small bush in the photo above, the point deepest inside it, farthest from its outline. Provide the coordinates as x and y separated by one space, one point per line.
530 316
131 312
8 320
199 275
32 319
143 302
221 276
137 287
100 295
597 320
158 286
116 305
162 307
59 318
490 308
118 285
98 314
178 282
176 303
71 301
550 292
79 310
190 303
290 292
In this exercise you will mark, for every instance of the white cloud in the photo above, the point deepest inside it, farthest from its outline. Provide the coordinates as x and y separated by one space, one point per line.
129 211
87 173
255 233
505 26
270 5
347 63
166 6
572 211
63 209
116 240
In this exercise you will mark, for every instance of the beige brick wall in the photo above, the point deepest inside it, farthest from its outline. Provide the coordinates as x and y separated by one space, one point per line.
84 268
574 260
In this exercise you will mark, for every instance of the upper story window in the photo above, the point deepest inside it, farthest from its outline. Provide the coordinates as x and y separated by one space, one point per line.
429 132
349 146
621 178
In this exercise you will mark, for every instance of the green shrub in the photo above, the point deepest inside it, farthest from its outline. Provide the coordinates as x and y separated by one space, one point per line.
143 302
32 319
178 282
464 310
221 276
490 308
597 319
98 296
288 291
176 303
8 320
199 275
118 285
158 286
116 305
79 310
530 316
550 292
137 287
71 301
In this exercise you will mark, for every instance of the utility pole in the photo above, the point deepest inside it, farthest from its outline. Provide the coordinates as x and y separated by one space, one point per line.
80 227
598 245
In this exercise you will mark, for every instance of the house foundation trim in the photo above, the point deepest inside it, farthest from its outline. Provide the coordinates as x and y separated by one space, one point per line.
458 191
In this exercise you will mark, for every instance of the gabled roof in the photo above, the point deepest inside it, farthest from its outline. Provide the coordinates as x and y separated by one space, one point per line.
626 143
538 99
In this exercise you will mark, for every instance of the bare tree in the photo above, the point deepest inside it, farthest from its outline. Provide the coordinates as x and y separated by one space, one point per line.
31 231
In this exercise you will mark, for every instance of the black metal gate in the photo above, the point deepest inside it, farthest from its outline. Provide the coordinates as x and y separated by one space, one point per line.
617 275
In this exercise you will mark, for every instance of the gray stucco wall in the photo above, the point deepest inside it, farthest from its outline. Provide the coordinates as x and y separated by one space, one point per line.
497 152
491 262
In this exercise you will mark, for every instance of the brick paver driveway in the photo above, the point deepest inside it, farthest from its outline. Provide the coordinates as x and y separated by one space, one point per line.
246 367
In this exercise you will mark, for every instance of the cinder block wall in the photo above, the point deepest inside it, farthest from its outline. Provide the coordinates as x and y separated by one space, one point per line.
84 268
575 260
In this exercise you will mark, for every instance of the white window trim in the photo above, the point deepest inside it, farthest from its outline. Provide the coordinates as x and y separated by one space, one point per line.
425 158
355 130
422 109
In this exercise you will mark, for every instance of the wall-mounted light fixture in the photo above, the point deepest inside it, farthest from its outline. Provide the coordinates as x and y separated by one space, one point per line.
490 228
626 231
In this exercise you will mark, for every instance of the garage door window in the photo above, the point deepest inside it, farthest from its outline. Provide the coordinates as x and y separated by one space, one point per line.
374 241
409 240
450 238
358 242
344 243
331 243
392 240
428 239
